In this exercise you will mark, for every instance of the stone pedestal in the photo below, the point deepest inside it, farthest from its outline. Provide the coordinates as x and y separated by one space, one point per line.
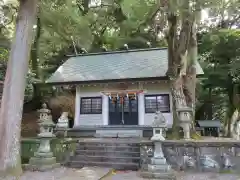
186 129
238 130
43 159
158 168
42 163
158 175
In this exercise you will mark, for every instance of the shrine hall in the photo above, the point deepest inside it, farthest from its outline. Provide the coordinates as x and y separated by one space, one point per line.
118 88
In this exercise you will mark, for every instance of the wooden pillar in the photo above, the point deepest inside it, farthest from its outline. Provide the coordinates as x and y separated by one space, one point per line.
77 107
14 87
105 109
141 109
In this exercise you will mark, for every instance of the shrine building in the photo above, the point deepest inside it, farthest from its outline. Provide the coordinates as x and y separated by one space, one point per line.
118 88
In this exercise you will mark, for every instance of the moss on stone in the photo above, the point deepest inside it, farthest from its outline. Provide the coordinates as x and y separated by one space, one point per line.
196 136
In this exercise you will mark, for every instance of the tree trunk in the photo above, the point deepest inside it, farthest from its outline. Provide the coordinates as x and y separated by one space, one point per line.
190 79
177 65
35 65
209 109
13 92
182 62
35 49
172 68
231 107
178 102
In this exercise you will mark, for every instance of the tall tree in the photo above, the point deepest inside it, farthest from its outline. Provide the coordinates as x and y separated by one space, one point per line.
13 92
219 52
34 63
183 17
183 24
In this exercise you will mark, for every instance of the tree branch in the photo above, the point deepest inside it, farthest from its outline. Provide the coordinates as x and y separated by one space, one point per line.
152 14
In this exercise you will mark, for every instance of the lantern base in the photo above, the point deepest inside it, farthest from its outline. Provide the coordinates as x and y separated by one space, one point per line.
41 164
158 175
41 168
158 168
43 154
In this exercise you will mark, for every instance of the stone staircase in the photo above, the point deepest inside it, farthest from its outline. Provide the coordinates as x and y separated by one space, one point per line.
113 153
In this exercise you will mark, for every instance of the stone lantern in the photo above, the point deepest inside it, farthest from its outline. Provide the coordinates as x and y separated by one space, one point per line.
184 115
158 168
43 159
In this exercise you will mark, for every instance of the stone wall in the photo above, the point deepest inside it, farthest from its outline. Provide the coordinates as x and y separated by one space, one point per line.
196 155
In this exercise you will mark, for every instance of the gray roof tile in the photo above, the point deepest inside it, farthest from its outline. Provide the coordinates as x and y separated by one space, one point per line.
129 64
209 123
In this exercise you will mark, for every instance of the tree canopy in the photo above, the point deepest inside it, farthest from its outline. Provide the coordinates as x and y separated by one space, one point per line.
64 27
74 27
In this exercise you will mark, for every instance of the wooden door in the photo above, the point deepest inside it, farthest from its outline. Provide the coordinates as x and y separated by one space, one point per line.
125 113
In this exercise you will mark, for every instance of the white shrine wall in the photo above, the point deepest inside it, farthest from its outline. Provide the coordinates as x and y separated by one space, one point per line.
158 88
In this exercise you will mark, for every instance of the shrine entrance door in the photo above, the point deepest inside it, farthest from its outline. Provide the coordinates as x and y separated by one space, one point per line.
123 113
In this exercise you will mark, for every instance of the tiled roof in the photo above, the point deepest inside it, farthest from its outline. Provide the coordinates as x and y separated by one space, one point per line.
209 123
129 64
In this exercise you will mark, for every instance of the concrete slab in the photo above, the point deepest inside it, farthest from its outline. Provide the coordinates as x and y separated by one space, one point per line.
96 173
86 173
63 173
119 133
131 175
180 176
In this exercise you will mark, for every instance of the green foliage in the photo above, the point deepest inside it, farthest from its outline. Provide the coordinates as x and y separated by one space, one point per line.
29 87
138 23
93 29
60 24
3 61
4 55
220 54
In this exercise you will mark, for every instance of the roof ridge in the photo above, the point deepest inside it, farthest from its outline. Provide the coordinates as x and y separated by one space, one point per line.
118 52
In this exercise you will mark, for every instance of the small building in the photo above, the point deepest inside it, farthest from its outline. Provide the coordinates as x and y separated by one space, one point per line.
209 127
120 88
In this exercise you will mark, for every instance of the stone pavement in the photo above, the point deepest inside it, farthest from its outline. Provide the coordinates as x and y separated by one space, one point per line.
96 173
180 176
62 173
86 173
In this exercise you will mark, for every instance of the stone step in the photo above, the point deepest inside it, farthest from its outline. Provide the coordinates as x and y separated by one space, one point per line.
114 165
108 152
110 140
119 133
107 158
110 143
116 153
108 148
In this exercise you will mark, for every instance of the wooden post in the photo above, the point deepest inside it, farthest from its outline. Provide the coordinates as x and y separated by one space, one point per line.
14 87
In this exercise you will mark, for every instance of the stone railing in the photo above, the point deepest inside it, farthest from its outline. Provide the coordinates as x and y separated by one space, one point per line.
198 155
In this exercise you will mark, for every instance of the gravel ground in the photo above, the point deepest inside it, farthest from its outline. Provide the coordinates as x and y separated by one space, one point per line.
207 176
96 173
180 176
62 173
